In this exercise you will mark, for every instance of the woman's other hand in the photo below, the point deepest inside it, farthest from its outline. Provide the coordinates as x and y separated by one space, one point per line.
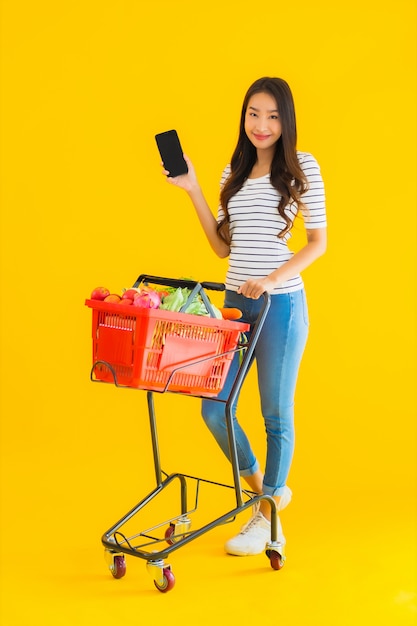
254 288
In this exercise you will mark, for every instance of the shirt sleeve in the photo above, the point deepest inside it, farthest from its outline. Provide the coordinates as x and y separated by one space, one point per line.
314 211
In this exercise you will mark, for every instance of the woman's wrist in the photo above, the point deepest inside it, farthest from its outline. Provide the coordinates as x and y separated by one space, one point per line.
194 191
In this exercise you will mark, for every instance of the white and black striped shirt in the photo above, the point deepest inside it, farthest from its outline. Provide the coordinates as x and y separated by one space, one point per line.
256 250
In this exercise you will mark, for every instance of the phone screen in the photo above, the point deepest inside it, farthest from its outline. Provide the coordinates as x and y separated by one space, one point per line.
171 153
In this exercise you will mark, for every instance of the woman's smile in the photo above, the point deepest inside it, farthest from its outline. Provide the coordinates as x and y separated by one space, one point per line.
261 137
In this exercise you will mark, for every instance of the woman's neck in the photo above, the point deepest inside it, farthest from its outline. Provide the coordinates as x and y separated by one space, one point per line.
261 167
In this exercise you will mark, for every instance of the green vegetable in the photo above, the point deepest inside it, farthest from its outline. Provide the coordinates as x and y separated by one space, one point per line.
196 308
175 300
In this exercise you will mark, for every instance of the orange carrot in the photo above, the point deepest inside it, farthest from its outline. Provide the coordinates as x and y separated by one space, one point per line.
231 313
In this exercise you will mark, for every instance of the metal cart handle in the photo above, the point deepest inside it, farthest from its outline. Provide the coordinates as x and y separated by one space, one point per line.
247 358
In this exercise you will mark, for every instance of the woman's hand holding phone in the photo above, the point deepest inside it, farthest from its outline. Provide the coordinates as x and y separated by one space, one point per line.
177 167
185 181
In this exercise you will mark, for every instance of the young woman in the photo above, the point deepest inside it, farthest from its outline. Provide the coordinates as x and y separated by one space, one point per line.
267 183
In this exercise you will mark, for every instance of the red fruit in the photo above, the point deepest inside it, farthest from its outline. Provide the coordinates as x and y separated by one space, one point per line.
99 293
126 301
130 294
113 297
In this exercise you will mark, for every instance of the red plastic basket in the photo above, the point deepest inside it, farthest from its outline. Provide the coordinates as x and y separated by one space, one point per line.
145 346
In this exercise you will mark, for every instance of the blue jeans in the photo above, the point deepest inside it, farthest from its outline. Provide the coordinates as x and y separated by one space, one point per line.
278 353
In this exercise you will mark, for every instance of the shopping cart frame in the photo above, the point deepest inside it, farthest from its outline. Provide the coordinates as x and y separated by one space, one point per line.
178 533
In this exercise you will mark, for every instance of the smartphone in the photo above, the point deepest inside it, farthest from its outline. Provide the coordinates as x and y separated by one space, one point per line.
171 153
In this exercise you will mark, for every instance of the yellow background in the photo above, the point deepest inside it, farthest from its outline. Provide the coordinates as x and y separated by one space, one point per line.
85 87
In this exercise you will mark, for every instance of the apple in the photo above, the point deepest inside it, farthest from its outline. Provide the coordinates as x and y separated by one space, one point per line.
130 294
100 293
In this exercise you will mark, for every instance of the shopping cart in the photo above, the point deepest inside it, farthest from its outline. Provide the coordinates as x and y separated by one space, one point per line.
174 352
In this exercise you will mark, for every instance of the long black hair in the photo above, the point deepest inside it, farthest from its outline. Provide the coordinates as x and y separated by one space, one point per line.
286 174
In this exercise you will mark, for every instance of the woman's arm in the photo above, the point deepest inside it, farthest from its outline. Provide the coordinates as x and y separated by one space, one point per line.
190 184
315 247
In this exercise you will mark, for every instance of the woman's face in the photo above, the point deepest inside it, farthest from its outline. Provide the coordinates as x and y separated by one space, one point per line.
262 122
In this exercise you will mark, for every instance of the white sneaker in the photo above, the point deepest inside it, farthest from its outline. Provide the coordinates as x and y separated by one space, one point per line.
253 537
285 498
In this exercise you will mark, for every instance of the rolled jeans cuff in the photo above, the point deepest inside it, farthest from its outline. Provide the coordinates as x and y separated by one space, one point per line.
273 491
251 470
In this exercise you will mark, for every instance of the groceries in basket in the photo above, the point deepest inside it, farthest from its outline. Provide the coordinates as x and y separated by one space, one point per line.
165 298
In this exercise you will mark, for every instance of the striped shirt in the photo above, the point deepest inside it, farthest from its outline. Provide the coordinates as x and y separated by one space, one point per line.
255 249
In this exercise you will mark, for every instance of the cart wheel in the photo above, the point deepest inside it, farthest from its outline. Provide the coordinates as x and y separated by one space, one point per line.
168 581
168 534
276 559
118 568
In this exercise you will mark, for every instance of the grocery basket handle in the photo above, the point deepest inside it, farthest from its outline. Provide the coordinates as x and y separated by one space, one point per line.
178 282
213 286
168 282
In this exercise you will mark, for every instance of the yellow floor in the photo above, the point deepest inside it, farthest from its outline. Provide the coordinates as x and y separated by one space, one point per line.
355 565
